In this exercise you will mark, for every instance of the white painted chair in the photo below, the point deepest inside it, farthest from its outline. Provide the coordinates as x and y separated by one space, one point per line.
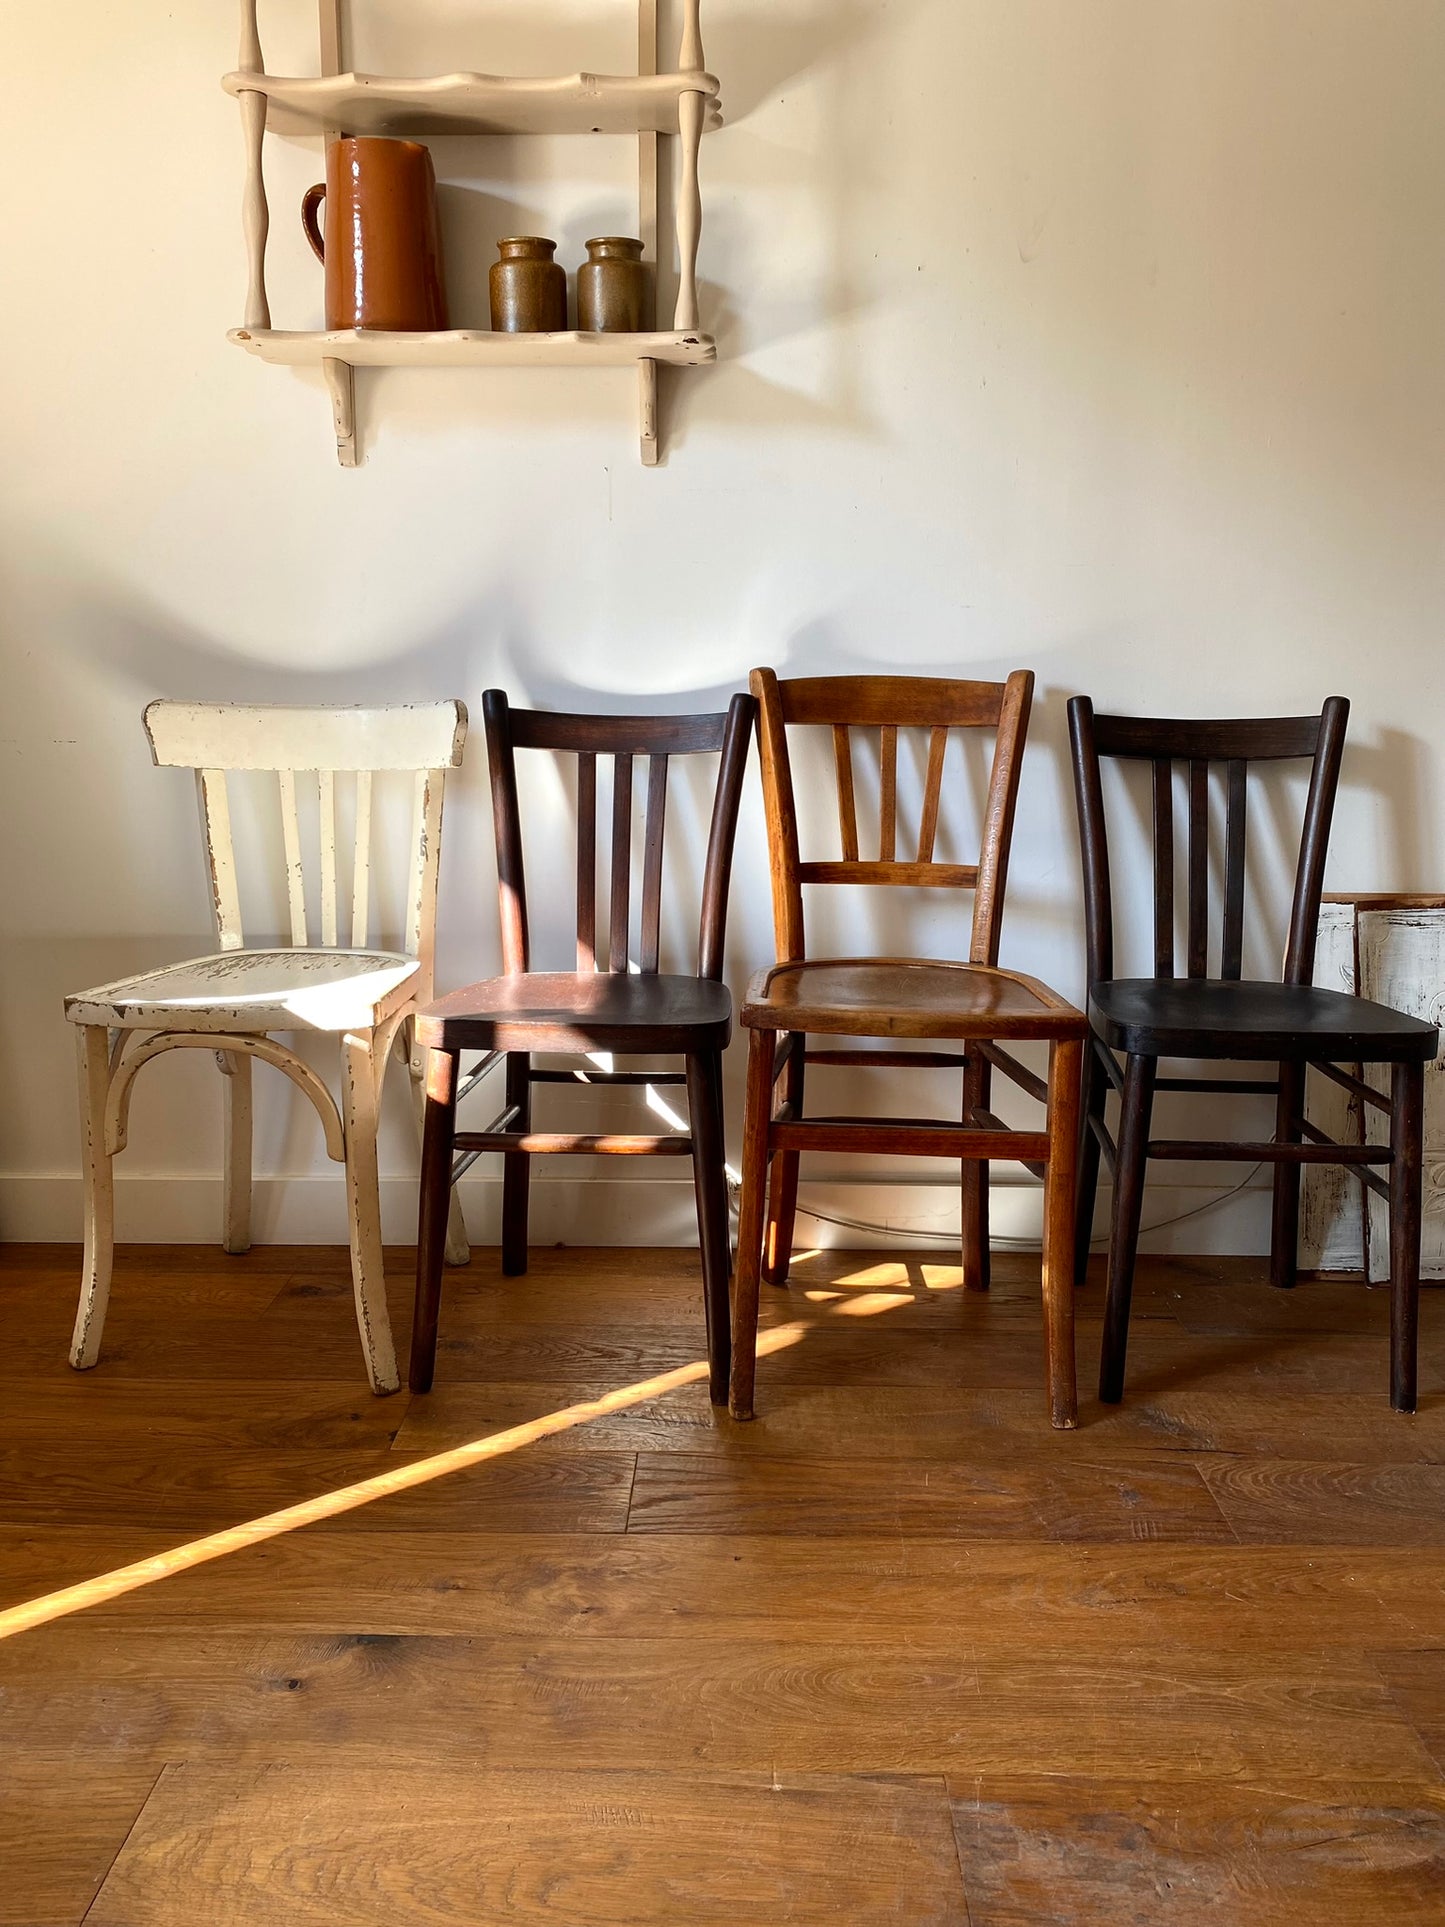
231 1002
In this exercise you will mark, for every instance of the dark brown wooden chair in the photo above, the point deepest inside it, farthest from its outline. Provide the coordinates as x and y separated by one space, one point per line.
1292 1024
628 1011
972 1002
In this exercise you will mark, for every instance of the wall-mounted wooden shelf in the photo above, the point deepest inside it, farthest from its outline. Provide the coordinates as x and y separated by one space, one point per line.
682 103
479 103
473 348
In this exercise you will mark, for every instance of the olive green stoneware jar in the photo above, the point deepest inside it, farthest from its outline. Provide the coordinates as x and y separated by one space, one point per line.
528 289
612 287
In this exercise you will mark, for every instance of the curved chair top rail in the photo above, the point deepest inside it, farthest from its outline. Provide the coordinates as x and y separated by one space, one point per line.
1197 744
609 735
876 702
1253 739
276 736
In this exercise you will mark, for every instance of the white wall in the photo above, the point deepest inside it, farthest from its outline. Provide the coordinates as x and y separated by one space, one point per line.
1103 336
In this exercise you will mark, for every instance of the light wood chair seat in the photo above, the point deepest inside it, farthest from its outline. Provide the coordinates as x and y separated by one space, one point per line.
564 1010
260 990
905 997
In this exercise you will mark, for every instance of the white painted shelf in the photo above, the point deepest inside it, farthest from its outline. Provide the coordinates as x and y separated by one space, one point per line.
479 103
682 102
473 348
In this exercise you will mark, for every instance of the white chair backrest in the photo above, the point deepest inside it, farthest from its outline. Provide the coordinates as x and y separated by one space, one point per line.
422 739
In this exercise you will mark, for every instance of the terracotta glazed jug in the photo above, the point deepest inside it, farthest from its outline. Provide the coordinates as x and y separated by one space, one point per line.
528 289
382 246
612 287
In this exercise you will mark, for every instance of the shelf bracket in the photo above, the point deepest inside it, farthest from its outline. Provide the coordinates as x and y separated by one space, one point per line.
647 411
341 380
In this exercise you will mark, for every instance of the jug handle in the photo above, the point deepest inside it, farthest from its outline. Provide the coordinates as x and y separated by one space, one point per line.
310 201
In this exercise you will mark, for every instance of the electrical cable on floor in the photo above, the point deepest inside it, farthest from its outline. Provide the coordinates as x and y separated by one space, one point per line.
1011 1244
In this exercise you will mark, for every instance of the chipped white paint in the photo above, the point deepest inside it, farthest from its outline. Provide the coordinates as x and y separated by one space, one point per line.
229 1002
1391 950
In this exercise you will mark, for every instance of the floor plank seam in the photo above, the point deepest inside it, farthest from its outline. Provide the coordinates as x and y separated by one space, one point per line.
166 1766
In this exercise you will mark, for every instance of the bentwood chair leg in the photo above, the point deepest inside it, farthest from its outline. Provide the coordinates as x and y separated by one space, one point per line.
1284 1230
516 1168
1096 1091
361 1072
1407 1131
93 1047
762 1049
977 1089
1065 1072
1133 1154
439 1128
236 1069
783 1180
709 1168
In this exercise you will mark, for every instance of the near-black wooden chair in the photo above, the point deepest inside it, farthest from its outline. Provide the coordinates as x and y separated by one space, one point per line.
1292 1024
625 1006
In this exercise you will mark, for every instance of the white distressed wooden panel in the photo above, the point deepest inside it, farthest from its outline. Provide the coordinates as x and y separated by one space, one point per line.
1402 964
1393 952
264 736
1332 1217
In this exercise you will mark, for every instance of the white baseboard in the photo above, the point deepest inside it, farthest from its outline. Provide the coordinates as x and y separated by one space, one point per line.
310 1209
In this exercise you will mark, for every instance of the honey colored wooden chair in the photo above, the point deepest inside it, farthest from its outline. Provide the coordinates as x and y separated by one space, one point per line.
1291 1025
231 1003
623 1005
970 1002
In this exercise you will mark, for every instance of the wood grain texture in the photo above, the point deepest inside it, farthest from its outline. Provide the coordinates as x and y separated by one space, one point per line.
555 1849
1040 1853
1183 1664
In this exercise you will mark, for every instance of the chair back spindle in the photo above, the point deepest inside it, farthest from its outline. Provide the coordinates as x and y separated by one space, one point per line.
884 706
623 739
1200 747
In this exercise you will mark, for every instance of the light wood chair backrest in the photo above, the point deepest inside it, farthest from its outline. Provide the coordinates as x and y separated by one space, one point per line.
886 704
423 740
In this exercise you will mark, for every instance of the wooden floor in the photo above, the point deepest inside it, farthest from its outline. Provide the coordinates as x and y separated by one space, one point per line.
895 1652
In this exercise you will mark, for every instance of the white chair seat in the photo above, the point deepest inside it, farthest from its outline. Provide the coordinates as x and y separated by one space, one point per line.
255 990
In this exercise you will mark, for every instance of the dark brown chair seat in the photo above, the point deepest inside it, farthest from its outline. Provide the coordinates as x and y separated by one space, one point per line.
1194 1017
564 1010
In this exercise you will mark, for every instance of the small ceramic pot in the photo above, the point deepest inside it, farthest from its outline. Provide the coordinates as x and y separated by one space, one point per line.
528 289
612 287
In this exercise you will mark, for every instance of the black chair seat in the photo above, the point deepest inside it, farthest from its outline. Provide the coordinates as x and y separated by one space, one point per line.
563 1010
1201 1017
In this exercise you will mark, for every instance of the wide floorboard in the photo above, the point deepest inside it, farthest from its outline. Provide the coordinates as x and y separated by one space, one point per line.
896 1652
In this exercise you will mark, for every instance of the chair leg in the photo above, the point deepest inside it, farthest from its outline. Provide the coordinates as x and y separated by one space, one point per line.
93 1048
1407 1132
783 1181
762 1049
705 1112
236 1068
516 1168
1133 1155
360 1081
1096 1094
458 1251
977 1089
439 1129
1065 1076
1284 1229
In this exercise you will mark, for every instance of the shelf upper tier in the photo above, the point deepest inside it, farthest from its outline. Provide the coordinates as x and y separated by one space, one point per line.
469 348
479 103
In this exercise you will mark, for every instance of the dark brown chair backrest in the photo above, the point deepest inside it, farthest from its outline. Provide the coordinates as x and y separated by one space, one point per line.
886 704
658 738
1197 745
